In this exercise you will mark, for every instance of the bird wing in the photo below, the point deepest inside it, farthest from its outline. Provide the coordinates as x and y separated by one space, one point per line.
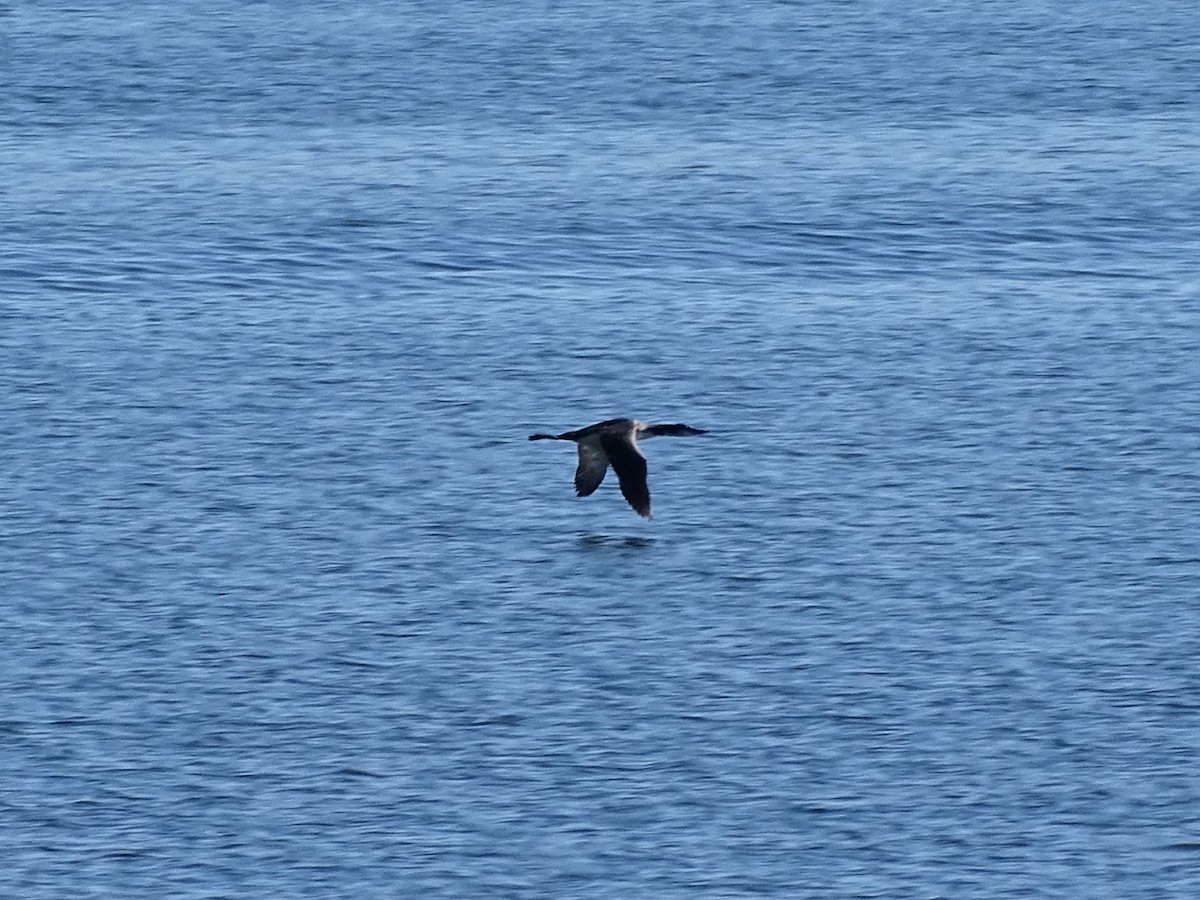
630 466
593 463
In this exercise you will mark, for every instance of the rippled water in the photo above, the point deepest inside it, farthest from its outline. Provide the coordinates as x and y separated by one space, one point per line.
293 608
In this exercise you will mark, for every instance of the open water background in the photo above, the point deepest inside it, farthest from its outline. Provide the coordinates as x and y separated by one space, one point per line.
291 607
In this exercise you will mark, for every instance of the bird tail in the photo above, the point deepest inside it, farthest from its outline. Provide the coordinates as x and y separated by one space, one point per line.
544 437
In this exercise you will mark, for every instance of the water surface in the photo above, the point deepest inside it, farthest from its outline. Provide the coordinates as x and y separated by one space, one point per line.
291 606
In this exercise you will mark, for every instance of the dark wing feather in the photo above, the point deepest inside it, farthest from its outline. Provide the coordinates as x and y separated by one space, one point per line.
592 466
630 467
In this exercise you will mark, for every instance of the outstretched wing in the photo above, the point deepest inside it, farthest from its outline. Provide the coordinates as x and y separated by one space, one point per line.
630 466
593 463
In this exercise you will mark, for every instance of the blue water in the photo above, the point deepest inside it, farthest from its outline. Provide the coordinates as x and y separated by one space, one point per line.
292 608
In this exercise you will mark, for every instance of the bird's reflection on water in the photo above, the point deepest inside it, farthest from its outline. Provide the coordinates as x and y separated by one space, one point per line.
614 542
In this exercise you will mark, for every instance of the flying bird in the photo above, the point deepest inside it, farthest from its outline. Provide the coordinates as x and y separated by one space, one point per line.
614 442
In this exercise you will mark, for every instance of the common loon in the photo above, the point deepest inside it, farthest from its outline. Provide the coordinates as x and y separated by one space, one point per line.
614 442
